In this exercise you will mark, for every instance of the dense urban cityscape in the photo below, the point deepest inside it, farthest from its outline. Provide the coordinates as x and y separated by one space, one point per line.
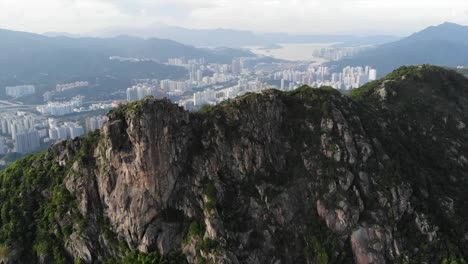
207 83
243 76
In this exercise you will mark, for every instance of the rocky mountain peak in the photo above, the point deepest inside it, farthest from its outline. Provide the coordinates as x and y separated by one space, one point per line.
308 176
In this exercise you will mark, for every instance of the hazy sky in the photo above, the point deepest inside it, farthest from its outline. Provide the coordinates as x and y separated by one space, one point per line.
311 16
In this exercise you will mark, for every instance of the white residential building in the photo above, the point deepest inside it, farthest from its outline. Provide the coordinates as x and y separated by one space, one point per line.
20 91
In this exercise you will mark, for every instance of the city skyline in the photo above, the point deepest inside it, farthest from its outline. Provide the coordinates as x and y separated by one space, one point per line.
299 16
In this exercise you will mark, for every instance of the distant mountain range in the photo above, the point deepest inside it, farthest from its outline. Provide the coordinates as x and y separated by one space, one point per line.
125 46
445 45
236 38
33 58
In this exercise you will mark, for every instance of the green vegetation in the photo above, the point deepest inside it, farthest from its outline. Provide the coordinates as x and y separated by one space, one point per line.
250 97
136 108
454 260
247 99
196 229
37 210
213 110
202 260
320 96
333 147
136 257
317 251
131 107
207 109
210 191
321 252
88 146
34 196
321 244
210 194
313 94
411 73
208 245
397 74
4 251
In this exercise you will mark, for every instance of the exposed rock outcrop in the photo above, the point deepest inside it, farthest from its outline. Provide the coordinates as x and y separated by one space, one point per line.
310 176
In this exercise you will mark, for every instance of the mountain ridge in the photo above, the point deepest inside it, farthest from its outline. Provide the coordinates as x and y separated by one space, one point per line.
308 176
443 45
28 58
115 46
236 38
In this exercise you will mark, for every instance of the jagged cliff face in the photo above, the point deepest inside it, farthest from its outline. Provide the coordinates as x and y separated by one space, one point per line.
311 176
143 162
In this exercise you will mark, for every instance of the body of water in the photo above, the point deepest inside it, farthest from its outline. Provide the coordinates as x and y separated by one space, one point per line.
293 52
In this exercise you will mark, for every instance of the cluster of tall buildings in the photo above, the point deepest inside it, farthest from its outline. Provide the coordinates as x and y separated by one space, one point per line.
216 79
25 132
158 89
213 83
68 130
204 74
23 128
183 62
206 97
286 86
59 88
69 86
246 85
27 141
127 59
140 91
201 75
338 53
348 78
214 96
15 123
94 123
176 87
353 77
61 108
20 91
236 66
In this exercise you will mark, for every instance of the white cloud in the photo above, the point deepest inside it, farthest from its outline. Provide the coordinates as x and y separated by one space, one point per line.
330 16
58 15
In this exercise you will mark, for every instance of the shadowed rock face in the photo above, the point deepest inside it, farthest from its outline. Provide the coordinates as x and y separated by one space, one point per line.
310 176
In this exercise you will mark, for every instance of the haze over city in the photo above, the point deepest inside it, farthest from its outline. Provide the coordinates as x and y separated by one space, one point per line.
396 17
233 131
